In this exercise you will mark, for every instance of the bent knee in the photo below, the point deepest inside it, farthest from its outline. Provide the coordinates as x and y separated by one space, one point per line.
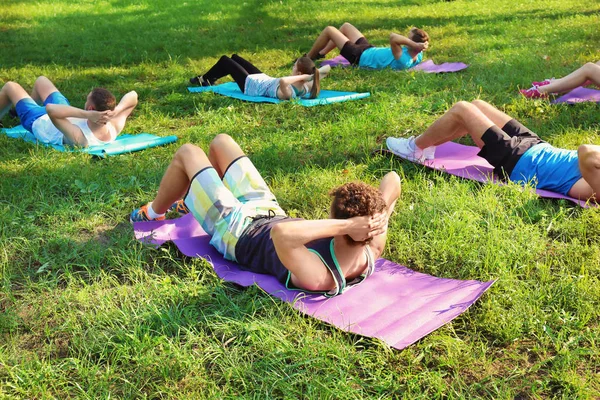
222 139
189 150
479 103
10 85
589 155
462 106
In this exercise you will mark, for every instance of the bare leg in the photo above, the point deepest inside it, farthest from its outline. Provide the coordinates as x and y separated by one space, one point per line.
462 119
42 88
498 117
589 164
347 30
223 151
188 160
589 71
10 94
330 33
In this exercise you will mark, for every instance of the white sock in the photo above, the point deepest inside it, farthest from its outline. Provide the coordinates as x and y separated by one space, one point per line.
153 214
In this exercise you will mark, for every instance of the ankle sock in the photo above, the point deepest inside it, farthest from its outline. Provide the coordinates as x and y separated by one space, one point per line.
153 214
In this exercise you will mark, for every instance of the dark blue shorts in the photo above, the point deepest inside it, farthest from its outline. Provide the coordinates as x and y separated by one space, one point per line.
28 110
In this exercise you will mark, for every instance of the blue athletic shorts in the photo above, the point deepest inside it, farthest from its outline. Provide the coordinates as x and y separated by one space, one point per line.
28 110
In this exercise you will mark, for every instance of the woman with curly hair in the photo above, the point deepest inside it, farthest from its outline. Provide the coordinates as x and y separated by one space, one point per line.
234 205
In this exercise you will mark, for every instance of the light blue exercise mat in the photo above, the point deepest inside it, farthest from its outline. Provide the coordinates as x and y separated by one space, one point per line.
122 144
231 89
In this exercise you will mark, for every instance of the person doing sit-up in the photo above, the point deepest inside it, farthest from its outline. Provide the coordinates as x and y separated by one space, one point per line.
233 204
305 80
586 75
404 52
513 150
55 121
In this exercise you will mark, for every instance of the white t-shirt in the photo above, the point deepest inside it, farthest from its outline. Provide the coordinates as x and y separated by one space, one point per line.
45 131
263 85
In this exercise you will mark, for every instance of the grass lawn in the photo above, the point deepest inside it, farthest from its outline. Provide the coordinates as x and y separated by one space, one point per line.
87 312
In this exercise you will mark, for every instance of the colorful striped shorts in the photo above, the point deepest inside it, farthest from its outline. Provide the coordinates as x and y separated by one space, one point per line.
226 208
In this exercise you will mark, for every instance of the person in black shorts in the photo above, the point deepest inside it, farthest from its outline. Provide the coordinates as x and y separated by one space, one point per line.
404 52
515 152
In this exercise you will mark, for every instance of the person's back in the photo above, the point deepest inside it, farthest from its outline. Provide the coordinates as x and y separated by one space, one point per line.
382 57
548 167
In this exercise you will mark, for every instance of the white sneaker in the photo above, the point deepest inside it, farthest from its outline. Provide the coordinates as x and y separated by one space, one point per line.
407 149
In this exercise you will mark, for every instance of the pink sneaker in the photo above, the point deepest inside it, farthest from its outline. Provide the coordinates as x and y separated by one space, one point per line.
533 93
543 83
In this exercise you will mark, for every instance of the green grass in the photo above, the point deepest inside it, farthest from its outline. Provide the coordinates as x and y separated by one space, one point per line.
87 312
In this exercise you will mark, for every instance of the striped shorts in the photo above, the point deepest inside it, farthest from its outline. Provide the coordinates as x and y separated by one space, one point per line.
226 208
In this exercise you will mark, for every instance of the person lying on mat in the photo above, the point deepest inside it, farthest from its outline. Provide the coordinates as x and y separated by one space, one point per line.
57 122
304 81
587 75
232 202
403 53
513 150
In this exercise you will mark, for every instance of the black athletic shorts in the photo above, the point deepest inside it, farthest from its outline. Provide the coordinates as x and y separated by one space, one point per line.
353 51
504 147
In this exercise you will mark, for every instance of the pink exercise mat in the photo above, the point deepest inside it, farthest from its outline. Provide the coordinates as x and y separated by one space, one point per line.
395 304
463 161
579 95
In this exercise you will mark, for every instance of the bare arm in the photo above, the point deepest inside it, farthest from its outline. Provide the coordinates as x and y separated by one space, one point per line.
59 113
284 92
123 110
390 190
290 239
397 41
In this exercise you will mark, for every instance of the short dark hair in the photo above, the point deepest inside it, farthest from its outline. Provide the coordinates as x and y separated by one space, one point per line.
419 35
103 99
356 199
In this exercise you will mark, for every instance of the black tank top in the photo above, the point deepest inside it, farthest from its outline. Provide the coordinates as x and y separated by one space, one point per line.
255 252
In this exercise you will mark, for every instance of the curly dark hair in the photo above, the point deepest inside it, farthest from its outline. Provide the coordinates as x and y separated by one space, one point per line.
356 199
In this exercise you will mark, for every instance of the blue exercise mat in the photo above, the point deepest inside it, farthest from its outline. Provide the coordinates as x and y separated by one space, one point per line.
231 89
122 144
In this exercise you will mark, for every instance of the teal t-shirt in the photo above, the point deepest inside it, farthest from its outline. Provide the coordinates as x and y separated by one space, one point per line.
382 57
548 168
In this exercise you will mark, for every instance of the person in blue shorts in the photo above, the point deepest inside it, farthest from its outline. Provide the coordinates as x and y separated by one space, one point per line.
227 196
515 152
403 52
48 115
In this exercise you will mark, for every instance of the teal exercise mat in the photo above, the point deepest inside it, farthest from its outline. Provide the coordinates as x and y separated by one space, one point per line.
122 144
231 89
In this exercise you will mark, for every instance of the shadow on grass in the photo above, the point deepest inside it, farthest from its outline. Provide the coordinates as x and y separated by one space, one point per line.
132 32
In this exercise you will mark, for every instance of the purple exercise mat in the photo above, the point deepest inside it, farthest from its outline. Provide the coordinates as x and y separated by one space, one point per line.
463 161
395 304
579 95
426 66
